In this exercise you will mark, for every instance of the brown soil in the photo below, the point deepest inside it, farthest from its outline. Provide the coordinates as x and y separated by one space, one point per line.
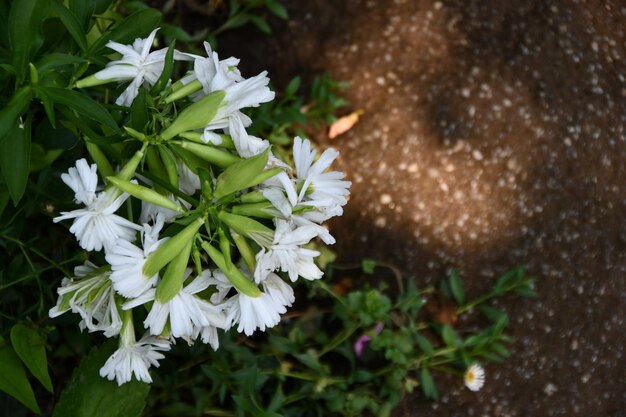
493 135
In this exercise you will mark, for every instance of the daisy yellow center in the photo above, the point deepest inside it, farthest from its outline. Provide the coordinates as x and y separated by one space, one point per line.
470 376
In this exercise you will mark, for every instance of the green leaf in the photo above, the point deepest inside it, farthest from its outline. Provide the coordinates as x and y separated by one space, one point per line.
89 394
428 385
449 336
293 86
492 313
4 197
30 347
15 160
278 9
71 23
261 24
456 286
424 344
25 36
13 379
139 115
368 266
507 278
14 109
241 175
82 104
167 71
137 25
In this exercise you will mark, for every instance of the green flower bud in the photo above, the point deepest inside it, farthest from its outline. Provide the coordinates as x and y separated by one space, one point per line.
196 116
145 194
92 81
252 229
234 275
244 250
255 196
241 175
169 162
210 154
168 250
184 90
172 281
263 210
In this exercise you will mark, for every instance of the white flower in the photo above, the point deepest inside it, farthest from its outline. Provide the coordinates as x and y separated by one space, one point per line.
95 226
83 180
251 313
214 74
250 92
127 261
137 64
89 294
185 311
474 377
135 358
246 145
188 182
208 335
286 254
324 190
278 290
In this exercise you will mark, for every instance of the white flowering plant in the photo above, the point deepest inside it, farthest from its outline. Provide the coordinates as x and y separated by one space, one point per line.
190 225
167 205
217 216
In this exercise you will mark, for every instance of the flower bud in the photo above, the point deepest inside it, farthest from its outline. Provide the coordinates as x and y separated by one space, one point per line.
252 229
196 116
210 154
241 175
172 281
92 81
234 275
168 250
183 91
145 194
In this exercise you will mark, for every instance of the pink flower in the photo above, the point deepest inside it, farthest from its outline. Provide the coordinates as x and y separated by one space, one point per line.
361 343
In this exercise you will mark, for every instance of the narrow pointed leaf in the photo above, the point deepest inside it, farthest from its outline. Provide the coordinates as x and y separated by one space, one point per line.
15 160
83 105
137 25
30 347
71 23
13 379
456 287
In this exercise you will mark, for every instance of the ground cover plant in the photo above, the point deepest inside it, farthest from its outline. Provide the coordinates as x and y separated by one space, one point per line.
173 220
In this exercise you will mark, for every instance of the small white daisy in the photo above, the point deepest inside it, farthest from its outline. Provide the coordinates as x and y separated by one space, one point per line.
474 377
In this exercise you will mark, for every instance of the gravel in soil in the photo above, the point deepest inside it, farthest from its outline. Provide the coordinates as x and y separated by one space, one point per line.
493 136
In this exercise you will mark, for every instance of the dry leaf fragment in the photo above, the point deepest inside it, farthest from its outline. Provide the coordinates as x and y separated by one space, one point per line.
343 124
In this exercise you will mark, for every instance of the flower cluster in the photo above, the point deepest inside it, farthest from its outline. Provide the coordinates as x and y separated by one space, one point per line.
223 221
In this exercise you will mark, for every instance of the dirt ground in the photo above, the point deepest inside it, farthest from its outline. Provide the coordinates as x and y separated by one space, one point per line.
493 135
